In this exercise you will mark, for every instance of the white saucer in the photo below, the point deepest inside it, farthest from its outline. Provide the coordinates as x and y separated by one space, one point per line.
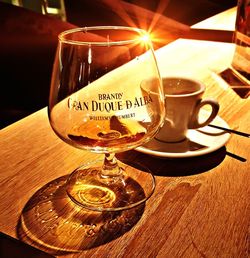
199 142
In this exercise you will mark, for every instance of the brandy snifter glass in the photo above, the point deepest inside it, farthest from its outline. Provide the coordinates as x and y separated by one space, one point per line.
106 97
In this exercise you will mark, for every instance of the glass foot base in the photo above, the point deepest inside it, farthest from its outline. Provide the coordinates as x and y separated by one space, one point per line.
88 188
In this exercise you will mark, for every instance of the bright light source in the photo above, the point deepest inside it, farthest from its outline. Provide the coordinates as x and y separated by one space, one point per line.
146 38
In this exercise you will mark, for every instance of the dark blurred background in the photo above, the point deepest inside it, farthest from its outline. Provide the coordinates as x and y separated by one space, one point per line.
29 29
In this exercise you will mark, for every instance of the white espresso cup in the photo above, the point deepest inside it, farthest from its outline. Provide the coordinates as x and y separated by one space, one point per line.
183 102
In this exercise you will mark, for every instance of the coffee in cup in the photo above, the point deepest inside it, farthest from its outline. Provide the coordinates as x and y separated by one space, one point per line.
183 103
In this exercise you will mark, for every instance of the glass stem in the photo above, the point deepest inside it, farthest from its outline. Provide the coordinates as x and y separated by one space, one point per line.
110 167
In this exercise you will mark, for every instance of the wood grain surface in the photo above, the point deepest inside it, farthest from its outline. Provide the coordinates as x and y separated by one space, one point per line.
200 207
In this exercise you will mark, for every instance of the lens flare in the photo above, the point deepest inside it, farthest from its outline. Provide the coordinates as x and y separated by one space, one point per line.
155 22
146 38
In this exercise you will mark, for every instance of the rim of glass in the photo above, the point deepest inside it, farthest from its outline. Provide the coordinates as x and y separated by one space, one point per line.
62 35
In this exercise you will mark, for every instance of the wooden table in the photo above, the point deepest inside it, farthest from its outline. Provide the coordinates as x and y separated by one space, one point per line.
200 207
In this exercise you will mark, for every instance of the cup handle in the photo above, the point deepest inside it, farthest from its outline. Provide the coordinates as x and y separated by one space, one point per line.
194 120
